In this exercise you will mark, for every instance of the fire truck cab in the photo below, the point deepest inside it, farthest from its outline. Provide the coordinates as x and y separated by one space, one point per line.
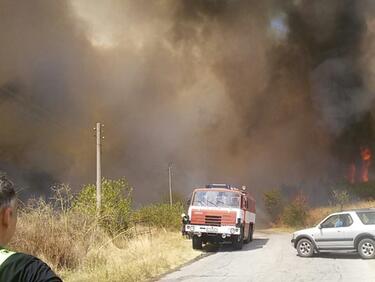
220 213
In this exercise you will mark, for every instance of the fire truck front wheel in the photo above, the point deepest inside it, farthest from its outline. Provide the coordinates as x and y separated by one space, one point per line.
197 242
237 241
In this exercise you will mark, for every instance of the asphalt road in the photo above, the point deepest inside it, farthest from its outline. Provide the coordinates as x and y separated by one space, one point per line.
270 257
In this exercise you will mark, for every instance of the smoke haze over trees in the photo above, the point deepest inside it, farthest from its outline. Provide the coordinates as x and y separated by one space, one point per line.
259 93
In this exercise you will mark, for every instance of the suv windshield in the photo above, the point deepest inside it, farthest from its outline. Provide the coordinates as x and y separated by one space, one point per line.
216 199
367 217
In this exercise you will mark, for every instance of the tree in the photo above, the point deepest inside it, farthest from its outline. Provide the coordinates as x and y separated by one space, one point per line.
340 197
274 204
115 213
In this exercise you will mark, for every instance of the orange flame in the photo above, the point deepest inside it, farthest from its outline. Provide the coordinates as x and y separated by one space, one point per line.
366 161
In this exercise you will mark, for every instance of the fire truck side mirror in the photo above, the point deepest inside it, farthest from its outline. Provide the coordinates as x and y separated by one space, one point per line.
185 219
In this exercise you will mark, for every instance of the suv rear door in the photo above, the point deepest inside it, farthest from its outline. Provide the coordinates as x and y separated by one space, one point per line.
334 232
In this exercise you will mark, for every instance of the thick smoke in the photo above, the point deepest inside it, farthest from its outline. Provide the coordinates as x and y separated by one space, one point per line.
333 39
249 92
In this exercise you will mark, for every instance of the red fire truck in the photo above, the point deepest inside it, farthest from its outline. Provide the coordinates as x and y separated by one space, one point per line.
220 213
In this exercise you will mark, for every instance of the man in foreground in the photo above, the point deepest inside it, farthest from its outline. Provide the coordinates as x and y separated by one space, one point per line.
17 266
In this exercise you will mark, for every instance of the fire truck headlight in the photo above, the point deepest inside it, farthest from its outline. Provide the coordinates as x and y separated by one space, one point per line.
232 230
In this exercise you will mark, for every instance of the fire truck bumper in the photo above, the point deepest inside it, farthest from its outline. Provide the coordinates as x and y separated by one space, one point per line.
200 229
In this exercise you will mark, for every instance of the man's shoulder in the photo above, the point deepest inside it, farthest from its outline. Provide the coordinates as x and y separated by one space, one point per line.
24 267
19 258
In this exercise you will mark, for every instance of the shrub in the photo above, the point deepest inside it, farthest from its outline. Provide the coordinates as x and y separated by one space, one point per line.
115 213
295 214
274 204
340 197
53 232
160 215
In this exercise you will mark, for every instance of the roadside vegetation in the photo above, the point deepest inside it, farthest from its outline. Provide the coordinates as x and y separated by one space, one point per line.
121 244
284 213
296 213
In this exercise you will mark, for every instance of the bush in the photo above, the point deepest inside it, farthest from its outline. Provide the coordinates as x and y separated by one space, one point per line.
53 232
115 213
296 213
340 197
160 215
274 204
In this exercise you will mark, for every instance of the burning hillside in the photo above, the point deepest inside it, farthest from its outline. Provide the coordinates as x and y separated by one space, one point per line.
360 173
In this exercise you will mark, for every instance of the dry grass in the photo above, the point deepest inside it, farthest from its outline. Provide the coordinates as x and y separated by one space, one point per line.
79 250
317 214
139 259
57 238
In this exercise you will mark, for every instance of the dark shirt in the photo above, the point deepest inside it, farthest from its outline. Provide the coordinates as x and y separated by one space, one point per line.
21 267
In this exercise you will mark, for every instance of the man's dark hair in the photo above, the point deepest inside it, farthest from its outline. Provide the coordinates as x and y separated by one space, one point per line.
7 191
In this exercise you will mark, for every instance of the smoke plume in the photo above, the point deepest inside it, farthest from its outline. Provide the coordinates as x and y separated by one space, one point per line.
259 93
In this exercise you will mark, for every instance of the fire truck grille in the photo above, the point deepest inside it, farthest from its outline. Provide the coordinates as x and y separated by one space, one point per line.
212 220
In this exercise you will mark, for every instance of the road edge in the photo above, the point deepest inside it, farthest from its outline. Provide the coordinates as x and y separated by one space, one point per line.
160 276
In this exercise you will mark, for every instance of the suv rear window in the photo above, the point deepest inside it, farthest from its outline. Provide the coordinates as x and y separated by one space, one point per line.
367 217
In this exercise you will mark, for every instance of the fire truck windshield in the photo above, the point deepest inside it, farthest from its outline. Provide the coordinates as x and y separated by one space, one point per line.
214 198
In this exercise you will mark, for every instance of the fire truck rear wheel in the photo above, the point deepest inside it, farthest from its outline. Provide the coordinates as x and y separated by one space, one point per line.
250 234
247 240
197 242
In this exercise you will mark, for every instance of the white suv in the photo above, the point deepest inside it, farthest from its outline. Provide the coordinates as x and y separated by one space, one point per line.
347 230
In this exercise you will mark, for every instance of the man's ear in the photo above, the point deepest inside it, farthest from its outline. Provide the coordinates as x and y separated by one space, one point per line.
6 215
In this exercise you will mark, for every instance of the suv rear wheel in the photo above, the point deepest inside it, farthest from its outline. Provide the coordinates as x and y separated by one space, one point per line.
305 248
366 248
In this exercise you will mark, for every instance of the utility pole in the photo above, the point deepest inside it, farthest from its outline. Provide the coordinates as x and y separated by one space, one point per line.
98 130
170 183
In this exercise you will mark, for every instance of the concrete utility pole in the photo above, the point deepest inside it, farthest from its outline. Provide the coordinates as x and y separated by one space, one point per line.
98 130
170 183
